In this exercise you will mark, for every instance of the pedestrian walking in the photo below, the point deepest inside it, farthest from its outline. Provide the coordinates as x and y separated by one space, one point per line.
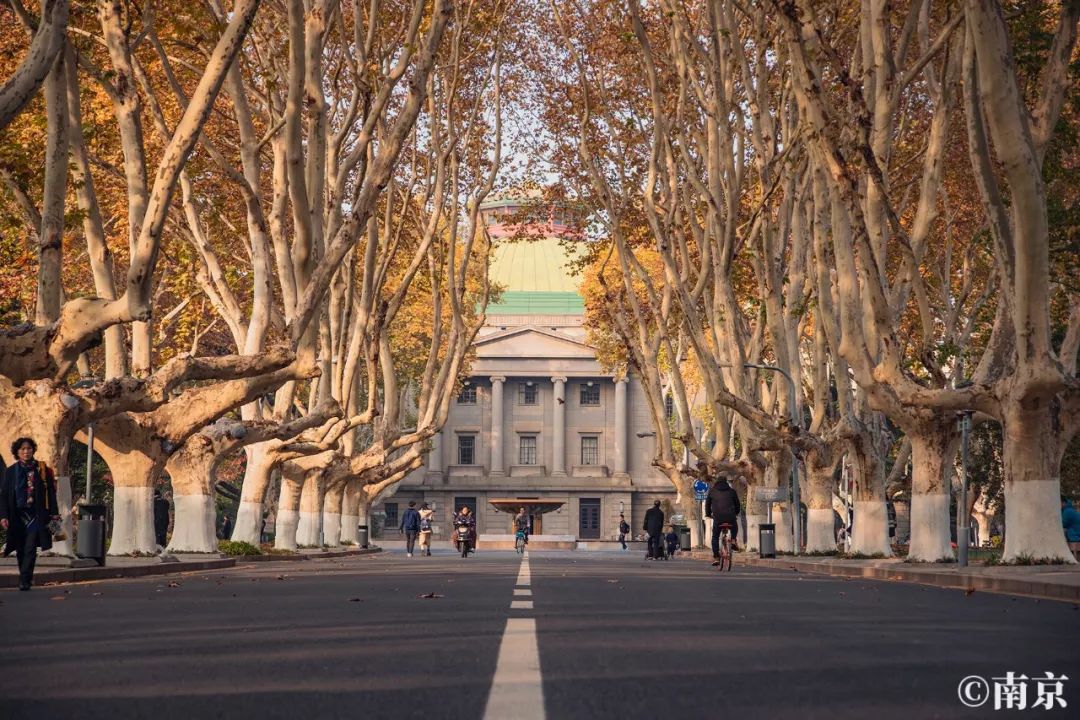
427 516
27 507
161 518
624 530
226 528
654 529
410 525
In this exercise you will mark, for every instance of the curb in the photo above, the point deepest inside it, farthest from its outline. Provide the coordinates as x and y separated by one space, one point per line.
952 580
75 575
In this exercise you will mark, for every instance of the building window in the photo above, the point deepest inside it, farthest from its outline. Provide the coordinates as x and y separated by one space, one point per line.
527 450
528 394
590 450
467 396
590 394
669 406
391 514
466 449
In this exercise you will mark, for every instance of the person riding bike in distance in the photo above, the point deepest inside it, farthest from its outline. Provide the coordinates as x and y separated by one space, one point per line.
722 505
521 524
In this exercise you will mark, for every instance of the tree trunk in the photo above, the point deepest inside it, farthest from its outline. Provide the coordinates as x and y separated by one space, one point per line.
288 512
134 477
756 514
1031 429
332 516
309 526
778 474
820 537
195 522
249 514
870 531
932 451
350 512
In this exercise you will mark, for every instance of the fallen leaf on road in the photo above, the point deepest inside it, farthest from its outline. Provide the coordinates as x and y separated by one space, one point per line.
431 595
613 581
95 594
969 591
58 597
281 577
355 600
174 584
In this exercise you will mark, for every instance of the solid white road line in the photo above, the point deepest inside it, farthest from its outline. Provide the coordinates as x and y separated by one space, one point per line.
517 691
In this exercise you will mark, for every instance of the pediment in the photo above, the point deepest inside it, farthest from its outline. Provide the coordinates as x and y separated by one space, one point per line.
532 342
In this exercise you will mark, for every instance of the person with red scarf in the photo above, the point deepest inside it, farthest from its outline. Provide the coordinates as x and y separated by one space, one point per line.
27 505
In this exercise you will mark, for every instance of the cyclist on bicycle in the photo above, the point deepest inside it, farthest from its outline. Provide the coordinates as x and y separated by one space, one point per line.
722 505
521 524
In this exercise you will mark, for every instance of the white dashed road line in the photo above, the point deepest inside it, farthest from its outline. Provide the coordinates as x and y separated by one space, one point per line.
517 690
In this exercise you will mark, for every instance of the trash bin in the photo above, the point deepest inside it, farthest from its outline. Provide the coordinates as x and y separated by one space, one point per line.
90 539
767 540
684 538
362 536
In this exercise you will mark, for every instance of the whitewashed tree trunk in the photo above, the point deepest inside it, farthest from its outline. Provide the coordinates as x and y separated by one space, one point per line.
194 524
249 514
932 453
870 534
350 513
288 513
331 517
1033 529
309 527
820 537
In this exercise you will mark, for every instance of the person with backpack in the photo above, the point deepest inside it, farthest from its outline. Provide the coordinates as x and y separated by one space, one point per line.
410 526
624 530
426 518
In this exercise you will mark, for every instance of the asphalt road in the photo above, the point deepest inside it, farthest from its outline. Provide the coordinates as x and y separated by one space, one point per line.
617 638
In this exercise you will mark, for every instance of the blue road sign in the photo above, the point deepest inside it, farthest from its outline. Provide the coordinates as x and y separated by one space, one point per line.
700 486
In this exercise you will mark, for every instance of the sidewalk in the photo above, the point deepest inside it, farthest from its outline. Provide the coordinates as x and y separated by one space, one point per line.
55 570
1051 582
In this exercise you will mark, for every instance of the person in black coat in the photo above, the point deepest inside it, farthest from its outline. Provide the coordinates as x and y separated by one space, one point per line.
27 505
654 528
722 505
161 518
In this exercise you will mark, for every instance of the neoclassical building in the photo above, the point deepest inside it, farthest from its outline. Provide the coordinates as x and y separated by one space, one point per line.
538 423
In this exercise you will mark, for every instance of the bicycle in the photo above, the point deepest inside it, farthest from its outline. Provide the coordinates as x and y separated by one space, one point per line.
725 547
519 542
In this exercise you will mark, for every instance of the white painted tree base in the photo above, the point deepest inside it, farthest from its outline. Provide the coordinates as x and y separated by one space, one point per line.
248 523
331 522
930 537
63 499
784 534
820 536
285 529
133 521
1033 528
752 524
194 524
308 529
349 529
870 535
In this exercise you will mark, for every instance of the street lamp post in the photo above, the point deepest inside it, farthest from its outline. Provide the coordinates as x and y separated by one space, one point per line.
963 529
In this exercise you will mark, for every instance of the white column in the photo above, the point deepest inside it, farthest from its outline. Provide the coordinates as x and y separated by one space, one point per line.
558 438
434 461
497 467
620 425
